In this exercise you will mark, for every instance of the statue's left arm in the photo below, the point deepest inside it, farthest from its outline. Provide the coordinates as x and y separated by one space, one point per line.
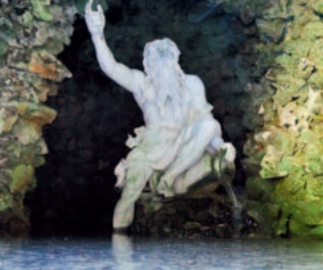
199 107
201 111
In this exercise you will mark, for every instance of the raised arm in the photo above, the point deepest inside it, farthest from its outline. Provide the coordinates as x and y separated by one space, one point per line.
130 79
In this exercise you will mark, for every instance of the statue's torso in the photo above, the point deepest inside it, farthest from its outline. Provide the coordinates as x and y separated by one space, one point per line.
172 109
178 109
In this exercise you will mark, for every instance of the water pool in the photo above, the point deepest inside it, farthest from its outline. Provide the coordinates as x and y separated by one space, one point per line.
122 252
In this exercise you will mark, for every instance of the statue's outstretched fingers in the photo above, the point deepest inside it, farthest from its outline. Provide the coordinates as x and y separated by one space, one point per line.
100 11
88 6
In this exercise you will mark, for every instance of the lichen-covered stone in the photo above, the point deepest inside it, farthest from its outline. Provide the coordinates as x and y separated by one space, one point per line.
28 73
262 65
318 6
41 10
288 149
22 177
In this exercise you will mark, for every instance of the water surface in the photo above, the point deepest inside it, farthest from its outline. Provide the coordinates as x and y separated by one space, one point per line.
122 252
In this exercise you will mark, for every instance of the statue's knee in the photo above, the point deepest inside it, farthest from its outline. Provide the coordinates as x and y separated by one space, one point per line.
210 127
216 143
216 128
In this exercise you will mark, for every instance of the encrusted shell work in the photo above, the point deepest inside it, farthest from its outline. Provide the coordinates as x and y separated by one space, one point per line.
28 73
288 149
261 62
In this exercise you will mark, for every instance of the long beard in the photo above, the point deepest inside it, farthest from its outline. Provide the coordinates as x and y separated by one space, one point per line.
167 86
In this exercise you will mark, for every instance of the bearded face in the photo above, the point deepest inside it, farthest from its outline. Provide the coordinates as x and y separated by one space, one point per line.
160 54
164 74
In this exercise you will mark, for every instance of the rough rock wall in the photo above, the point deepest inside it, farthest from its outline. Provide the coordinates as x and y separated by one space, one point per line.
285 156
32 32
260 61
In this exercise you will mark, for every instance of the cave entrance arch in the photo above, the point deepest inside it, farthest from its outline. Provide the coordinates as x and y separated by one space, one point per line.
75 186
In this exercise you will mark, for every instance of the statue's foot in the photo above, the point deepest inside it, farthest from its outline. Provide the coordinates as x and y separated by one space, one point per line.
164 189
165 186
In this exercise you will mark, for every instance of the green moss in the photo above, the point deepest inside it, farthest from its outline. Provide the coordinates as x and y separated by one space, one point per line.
3 47
311 31
290 141
36 112
308 212
311 155
271 30
40 11
29 70
278 9
295 48
26 133
264 213
299 230
22 177
6 201
27 19
287 90
318 6
316 80
258 189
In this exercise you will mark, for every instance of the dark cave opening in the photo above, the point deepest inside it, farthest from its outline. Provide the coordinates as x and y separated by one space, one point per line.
75 192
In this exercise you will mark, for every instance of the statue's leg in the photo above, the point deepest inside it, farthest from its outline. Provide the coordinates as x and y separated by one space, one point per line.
137 177
189 154
194 174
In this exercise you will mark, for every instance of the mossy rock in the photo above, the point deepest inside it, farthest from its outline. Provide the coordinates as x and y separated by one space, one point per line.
318 6
6 201
22 178
41 10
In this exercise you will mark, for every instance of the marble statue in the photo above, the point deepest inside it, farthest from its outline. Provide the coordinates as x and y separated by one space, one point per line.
172 150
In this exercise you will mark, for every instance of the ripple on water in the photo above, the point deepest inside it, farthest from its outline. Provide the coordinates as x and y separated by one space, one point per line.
122 252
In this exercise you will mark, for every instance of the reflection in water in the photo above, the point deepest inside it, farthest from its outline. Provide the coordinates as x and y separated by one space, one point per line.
124 253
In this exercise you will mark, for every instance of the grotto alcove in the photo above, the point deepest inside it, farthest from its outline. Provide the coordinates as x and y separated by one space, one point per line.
75 187
261 66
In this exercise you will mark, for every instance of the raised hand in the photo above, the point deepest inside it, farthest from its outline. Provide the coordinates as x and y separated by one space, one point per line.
95 20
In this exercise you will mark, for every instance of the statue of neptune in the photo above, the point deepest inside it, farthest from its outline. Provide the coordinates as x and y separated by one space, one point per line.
179 131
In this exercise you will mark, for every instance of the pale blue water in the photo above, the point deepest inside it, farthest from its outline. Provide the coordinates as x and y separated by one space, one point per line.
121 252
